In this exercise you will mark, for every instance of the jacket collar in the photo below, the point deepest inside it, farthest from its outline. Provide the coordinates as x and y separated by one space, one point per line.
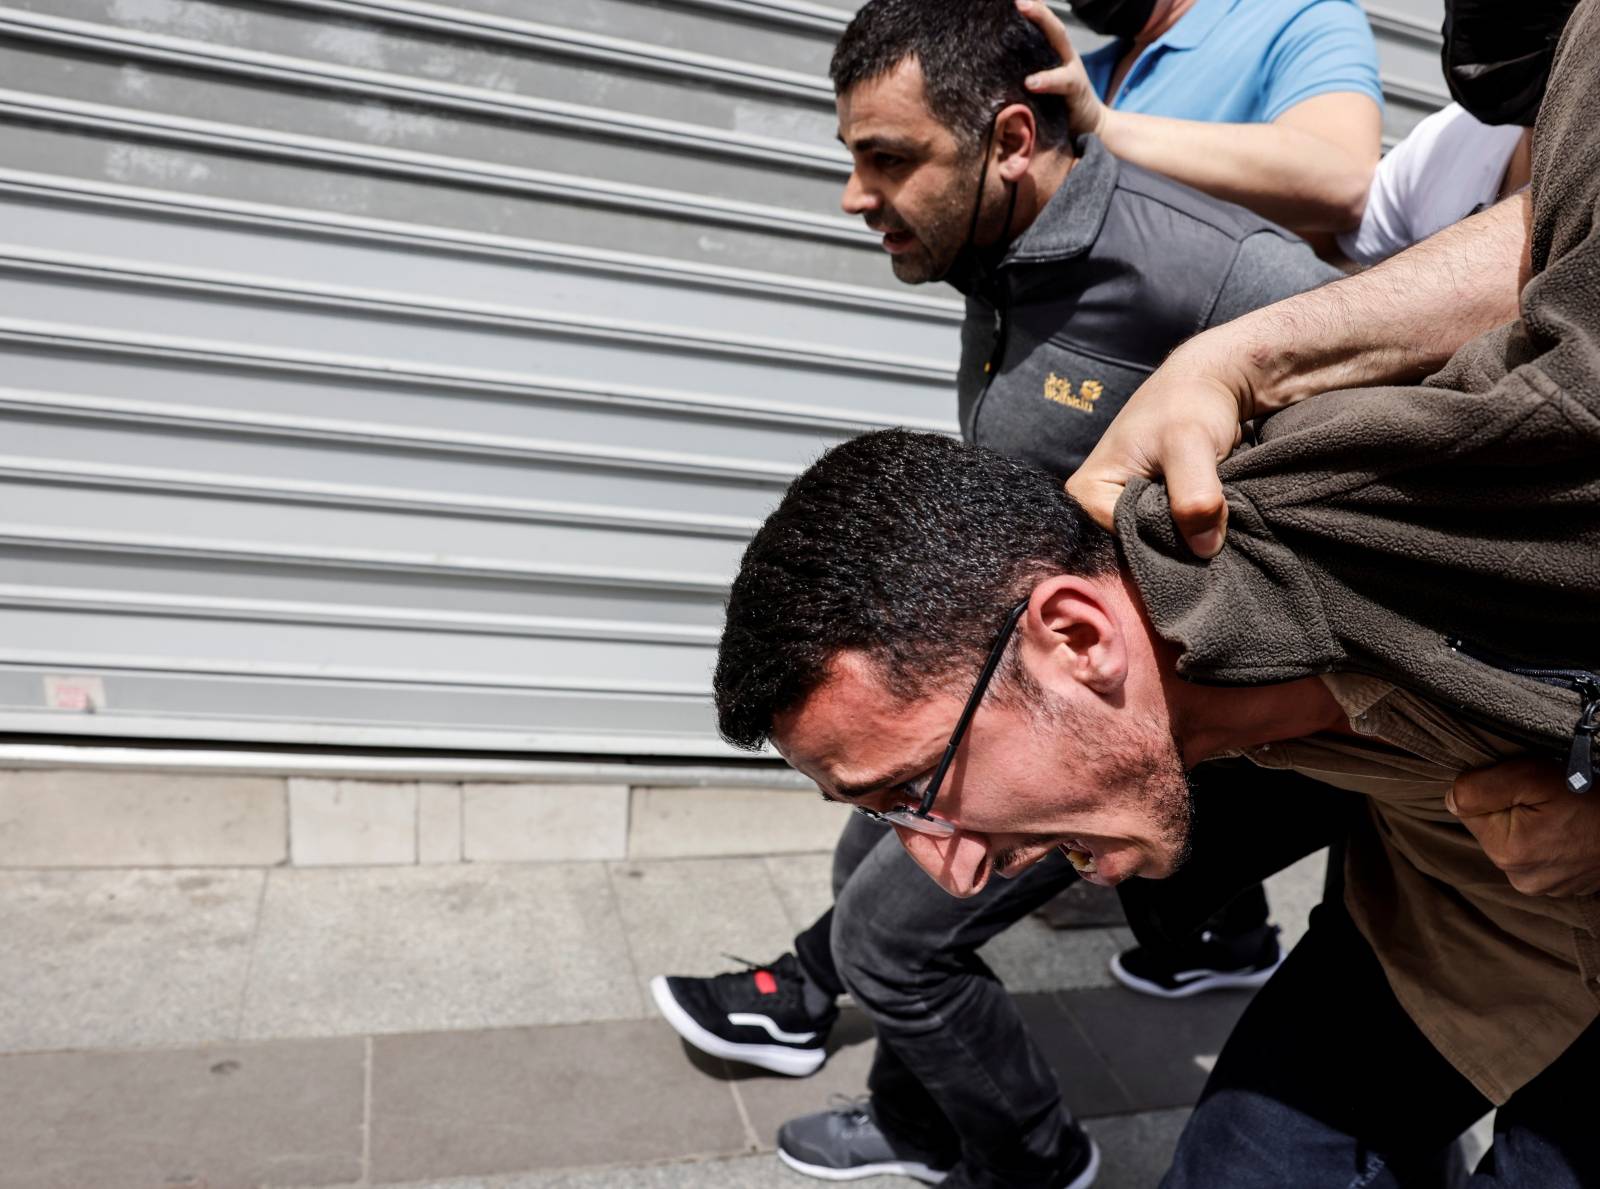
1070 222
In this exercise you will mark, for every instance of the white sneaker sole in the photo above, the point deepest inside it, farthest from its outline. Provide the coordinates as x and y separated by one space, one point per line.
1212 982
921 1172
794 1063
1091 1170
901 1168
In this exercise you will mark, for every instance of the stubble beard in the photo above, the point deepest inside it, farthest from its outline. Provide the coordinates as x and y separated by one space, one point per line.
1134 759
940 236
1161 776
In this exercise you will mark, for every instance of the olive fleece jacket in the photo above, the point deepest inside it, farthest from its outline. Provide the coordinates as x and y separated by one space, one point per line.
1437 535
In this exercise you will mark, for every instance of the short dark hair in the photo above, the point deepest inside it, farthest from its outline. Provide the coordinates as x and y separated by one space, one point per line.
974 54
910 547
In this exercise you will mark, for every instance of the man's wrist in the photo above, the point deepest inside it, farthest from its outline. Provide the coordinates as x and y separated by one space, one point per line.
1102 123
1225 360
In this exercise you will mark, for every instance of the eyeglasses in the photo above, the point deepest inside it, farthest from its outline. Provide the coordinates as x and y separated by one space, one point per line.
921 818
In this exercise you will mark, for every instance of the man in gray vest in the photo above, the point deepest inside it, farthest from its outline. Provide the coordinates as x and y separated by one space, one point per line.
1081 273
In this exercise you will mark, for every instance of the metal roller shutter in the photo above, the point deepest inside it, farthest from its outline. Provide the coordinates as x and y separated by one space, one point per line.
388 373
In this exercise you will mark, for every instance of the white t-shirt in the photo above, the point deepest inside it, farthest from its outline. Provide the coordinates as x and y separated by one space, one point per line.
1450 166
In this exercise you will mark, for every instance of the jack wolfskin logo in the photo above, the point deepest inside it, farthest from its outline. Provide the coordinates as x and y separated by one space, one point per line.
1060 390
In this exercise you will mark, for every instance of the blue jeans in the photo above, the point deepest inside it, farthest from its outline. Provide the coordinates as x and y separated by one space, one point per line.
1327 1084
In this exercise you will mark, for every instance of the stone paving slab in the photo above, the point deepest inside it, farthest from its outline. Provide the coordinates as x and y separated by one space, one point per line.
1088 1085
349 822
740 1172
119 958
1159 1050
140 819
1293 893
1083 905
448 1104
1030 956
684 916
356 950
439 822
685 822
544 822
804 884
126 958
228 1117
1135 1150
485 1102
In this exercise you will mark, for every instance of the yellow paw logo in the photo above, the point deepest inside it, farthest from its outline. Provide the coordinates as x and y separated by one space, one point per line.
1060 391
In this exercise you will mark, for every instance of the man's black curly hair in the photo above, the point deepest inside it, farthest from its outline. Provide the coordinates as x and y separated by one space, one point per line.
974 55
910 547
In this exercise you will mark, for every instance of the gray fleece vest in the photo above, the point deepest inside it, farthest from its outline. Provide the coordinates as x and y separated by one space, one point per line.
1119 268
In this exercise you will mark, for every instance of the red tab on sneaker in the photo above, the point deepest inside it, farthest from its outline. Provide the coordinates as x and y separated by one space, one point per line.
765 983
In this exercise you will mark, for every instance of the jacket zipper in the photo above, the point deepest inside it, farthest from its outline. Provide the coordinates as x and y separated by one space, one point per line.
1580 756
991 367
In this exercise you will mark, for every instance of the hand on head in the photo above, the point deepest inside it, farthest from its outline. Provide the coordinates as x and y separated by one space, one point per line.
1184 419
1086 114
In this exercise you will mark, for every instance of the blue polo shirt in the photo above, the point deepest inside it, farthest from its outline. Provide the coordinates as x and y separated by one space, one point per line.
1245 61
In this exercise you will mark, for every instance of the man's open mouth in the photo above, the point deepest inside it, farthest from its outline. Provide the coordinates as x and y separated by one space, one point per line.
1080 856
898 241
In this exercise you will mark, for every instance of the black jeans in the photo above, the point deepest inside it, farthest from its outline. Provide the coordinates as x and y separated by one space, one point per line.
955 1071
1327 1084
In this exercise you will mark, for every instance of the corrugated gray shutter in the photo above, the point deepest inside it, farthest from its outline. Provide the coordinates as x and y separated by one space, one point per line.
1407 33
392 373
1408 38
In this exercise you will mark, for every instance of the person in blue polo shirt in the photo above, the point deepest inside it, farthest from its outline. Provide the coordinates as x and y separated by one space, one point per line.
1273 104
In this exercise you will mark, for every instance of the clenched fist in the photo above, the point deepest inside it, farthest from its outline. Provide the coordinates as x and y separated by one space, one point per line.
1545 837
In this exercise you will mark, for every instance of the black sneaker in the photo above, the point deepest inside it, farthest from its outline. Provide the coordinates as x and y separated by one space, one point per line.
1084 1165
756 1015
844 1143
1210 962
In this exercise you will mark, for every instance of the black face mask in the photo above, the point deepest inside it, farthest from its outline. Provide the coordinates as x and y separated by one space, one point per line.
1498 62
1114 18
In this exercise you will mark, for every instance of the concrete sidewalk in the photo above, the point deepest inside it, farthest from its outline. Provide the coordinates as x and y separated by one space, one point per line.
482 1024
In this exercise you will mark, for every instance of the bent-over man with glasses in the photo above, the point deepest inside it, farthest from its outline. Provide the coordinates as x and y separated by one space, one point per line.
1081 273
1408 595
939 636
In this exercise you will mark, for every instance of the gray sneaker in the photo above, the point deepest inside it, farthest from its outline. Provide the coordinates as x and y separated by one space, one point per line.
844 1143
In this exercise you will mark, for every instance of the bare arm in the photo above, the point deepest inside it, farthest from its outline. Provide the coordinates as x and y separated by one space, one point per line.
1309 169
1395 323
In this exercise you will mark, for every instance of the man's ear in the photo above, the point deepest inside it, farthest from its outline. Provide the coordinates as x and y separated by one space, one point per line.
1016 141
1072 629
